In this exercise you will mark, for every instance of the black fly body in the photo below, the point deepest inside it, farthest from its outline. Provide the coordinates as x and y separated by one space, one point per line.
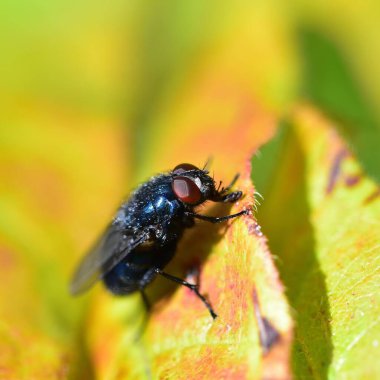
143 236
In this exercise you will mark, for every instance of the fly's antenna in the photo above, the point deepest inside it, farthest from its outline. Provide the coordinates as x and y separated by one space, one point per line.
207 164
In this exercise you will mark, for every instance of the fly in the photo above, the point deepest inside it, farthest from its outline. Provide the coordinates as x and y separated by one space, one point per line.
143 237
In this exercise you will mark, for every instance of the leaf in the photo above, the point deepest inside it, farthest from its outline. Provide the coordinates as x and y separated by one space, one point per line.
321 216
331 85
184 82
61 137
235 268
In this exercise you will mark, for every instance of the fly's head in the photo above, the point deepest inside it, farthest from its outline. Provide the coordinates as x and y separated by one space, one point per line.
193 186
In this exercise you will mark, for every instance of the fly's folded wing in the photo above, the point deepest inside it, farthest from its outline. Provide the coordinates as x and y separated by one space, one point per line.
113 246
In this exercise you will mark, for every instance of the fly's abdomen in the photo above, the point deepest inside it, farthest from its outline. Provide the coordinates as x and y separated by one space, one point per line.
137 269
123 278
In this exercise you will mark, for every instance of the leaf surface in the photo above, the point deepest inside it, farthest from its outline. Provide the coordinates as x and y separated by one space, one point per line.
97 97
321 214
236 271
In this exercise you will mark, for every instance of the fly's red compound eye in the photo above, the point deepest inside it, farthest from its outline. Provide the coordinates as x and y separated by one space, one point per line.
186 190
184 168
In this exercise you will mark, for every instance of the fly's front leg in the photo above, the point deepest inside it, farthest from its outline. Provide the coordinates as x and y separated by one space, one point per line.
228 188
232 197
221 196
224 196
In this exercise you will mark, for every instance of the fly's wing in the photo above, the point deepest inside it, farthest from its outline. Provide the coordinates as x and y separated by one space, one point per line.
111 248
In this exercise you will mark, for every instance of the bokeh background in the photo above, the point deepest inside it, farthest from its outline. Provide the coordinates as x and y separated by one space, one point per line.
96 96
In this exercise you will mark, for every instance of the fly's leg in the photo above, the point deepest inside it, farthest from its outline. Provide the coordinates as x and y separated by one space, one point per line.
228 188
216 219
145 301
231 197
192 287
224 196
147 278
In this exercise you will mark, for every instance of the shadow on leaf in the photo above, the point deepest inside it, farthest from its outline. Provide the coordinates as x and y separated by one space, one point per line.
285 219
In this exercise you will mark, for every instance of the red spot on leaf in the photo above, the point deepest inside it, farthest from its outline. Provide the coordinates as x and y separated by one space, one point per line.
335 170
352 180
373 196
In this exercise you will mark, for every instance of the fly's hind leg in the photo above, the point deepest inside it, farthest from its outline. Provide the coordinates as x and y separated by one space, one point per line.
146 302
216 219
192 287
145 280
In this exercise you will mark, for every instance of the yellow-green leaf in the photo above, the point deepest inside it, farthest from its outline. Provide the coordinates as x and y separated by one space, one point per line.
181 340
322 216
186 81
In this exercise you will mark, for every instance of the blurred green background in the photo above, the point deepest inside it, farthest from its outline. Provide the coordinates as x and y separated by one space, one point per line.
85 92
126 60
